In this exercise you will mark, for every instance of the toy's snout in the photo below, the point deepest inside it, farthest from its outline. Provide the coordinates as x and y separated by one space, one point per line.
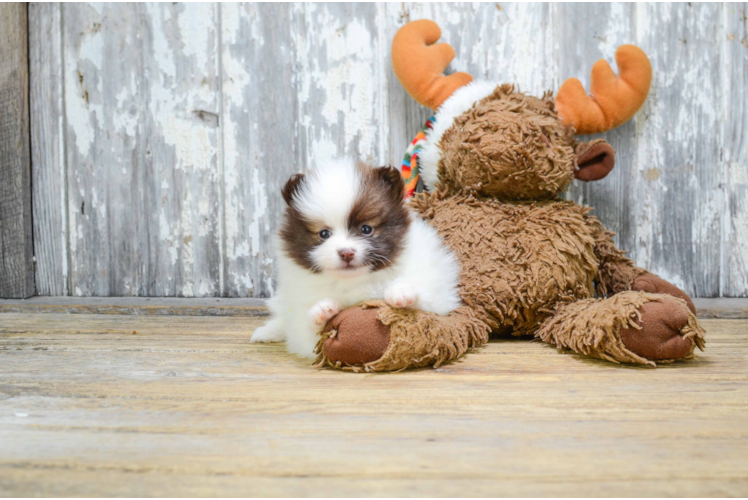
595 160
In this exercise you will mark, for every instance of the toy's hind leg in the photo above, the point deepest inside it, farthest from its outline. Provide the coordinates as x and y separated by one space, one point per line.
629 327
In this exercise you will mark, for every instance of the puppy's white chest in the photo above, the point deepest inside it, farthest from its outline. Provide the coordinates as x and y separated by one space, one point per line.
352 293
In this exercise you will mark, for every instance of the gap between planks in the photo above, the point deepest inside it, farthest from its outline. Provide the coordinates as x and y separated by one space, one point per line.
717 308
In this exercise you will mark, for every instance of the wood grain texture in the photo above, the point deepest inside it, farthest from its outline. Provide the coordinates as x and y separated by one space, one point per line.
49 193
734 153
186 406
142 106
720 308
197 115
16 252
679 205
163 306
259 137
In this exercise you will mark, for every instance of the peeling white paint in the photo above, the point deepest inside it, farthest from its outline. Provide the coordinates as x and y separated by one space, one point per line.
242 281
683 153
196 28
706 227
258 230
80 110
205 289
161 48
192 141
340 76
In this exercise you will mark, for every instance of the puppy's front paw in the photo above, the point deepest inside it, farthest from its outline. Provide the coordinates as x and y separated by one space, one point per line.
401 296
322 311
271 332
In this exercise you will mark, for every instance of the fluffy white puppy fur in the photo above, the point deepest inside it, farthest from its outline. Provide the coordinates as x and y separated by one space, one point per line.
348 236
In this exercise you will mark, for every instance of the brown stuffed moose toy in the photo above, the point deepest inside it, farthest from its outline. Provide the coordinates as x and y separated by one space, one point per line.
494 161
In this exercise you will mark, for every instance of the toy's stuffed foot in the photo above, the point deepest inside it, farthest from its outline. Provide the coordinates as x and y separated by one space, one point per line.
360 337
662 332
374 337
629 327
651 283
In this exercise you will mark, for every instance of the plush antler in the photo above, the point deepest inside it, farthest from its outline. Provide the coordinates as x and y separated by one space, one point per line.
419 65
612 100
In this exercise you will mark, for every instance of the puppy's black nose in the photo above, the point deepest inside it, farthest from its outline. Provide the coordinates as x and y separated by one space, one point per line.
347 254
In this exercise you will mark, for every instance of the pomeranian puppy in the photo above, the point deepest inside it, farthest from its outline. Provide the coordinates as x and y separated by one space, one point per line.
348 236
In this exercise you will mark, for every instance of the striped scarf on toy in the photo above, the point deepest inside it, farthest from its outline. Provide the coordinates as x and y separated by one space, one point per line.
410 170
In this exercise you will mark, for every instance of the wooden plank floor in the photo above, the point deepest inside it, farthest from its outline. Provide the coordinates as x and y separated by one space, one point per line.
99 405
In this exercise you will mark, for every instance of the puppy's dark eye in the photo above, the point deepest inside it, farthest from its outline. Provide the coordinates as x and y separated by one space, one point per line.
325 233
366 229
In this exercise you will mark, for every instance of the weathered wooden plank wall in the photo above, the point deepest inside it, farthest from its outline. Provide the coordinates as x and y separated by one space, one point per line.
162 133
48 173
16 251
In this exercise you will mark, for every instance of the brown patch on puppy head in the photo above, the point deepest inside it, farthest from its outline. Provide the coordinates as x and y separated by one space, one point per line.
509 145
299 238
380 206
298 235
292 187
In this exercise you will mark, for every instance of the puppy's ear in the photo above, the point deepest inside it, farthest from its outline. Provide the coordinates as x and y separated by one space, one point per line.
292 187
391 178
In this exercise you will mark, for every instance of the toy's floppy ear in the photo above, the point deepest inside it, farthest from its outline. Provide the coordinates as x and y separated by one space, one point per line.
419 65
595 160
612 100
292 187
